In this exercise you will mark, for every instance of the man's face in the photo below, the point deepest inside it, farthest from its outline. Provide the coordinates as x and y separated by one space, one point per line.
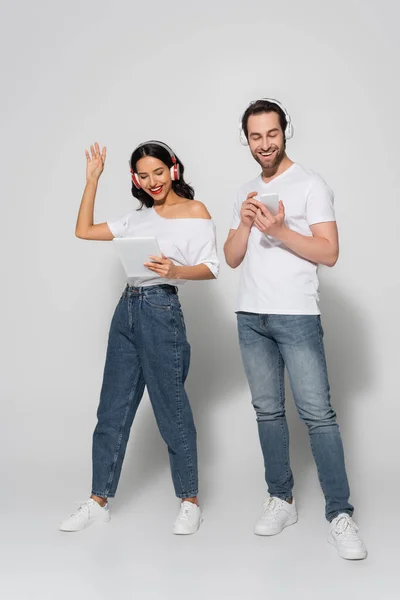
266 139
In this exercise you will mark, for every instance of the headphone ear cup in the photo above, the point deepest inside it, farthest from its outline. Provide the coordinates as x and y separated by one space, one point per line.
242 138
135 181
175 172
289 131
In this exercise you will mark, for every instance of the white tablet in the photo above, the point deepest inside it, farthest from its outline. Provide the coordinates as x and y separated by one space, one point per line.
133 252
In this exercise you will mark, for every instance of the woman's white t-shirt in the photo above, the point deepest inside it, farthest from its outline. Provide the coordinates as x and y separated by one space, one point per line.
187 242
275 280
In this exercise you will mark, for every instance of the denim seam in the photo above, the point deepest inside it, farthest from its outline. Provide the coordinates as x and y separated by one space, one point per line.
119 440
323 360
178 397
192 494
102 494
130 314
320 347
316 463
282 399
336 513
322 352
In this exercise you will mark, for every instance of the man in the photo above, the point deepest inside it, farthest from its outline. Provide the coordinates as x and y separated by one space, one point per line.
279 320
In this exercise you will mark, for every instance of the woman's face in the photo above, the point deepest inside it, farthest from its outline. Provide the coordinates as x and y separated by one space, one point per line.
154 177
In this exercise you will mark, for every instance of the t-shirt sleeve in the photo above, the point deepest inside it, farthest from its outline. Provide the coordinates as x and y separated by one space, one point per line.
236 211
203 248
320 200
119 227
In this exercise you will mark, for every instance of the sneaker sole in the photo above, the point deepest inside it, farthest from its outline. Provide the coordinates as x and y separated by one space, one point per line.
186 532
89 524
349 555
270 532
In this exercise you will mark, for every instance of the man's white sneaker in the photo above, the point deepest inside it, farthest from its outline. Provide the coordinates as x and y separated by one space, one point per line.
188 520
277 514
89 512
343 534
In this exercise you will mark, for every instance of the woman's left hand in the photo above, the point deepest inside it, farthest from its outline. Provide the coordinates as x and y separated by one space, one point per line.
163 266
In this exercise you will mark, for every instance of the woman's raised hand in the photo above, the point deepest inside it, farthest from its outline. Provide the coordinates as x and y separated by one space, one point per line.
95 162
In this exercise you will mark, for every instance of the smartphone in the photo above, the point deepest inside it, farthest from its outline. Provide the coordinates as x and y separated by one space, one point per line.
271 201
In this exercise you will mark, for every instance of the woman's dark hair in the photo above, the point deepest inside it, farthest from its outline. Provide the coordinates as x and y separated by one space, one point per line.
180 187
263 106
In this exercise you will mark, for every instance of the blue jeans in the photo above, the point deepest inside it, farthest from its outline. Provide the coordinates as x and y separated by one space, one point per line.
147 345
268 343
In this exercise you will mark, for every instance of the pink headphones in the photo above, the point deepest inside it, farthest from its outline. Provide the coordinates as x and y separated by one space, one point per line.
174 170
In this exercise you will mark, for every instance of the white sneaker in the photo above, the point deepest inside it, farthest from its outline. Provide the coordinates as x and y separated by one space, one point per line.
343 535
277 515
89 512
188 520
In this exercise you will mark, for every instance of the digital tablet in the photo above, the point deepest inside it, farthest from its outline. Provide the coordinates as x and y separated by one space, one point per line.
133 252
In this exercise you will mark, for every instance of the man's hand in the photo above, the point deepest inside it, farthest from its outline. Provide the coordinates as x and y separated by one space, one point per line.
269 224
248 212
163 266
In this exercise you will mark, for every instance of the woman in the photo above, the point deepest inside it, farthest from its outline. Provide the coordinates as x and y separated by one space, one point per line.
147 343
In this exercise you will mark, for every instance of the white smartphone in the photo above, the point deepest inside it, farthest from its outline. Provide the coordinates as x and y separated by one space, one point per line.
271 201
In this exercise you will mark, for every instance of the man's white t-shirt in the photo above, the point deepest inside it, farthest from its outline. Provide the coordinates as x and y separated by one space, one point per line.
275 280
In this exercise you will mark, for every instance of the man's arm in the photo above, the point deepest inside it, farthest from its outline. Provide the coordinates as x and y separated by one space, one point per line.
321 248
236 244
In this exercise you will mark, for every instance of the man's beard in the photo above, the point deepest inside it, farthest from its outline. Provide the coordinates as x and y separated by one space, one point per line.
273 164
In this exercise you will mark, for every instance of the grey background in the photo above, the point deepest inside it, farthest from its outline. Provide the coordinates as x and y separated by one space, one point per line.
120 73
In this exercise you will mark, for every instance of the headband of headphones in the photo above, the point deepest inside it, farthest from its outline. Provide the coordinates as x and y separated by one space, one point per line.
157 143
289 131
175 171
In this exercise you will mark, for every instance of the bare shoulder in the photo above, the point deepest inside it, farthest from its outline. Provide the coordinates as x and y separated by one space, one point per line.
198 210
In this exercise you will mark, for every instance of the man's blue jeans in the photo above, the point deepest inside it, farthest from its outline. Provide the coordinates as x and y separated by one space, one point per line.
147 345
268 343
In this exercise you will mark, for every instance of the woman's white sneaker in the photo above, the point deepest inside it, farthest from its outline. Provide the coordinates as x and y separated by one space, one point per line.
343 533
277 514
188 520
89 512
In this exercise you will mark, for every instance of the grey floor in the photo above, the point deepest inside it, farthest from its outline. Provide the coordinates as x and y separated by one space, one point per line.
137 556
48 468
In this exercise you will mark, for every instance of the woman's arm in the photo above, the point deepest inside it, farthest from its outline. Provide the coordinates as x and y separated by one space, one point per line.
164 267
85 228
196 273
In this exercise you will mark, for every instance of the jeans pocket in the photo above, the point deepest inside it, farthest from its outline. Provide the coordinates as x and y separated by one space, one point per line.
246 325
160 301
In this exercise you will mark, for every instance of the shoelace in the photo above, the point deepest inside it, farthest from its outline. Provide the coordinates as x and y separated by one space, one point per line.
272 505
83 506
185 512
345 526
